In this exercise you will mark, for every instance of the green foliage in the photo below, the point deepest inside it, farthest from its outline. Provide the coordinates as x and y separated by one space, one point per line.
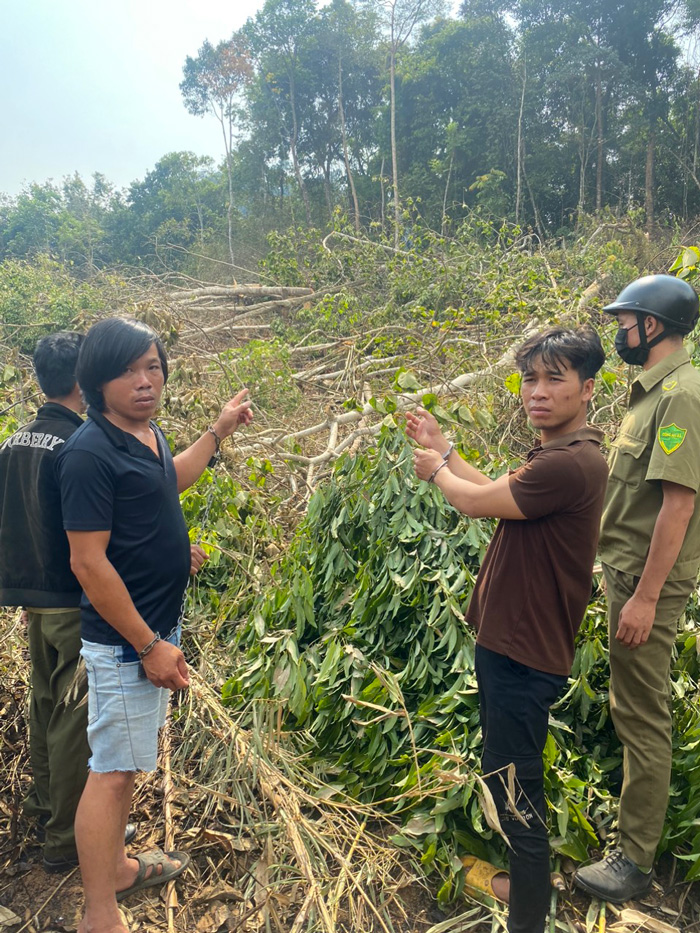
539 114
68 221
39 297
686 264
176 207
297 257
356 637
236 527
264 366
491 194
362 641
215 77
361 645
513 383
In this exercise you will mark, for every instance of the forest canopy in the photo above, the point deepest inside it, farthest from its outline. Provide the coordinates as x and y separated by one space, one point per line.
393 113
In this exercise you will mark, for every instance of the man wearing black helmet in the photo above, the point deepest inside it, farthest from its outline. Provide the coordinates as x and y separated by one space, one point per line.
650 551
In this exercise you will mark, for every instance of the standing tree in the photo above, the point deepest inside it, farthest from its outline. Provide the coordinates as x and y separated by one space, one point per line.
278 37
400 18
345 68
212 83
176 207
459 74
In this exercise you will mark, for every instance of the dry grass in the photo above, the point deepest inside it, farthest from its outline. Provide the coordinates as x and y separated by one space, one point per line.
270 849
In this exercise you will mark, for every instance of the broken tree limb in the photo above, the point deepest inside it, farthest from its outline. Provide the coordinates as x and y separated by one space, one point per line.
327 454
362 241
249 327
318 347
319 375
366 396
171 902
404 400
591 292
240 291
254 310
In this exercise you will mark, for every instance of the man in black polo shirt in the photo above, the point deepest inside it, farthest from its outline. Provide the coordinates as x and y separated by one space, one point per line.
130 550
532 589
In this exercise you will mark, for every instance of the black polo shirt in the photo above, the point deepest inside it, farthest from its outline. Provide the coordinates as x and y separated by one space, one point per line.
110 481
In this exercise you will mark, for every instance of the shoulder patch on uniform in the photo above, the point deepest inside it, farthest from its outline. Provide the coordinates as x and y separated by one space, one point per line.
671 437
669 384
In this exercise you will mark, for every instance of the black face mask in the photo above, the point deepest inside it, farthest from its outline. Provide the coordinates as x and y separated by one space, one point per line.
633 356
636 356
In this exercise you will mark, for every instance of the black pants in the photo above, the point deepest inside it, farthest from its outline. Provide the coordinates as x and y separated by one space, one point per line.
514 707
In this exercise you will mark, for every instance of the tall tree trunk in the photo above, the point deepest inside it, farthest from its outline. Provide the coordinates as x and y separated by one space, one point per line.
282 173
600 154
583 160
538 220
383 200
696 140
519 172
447 188
346 156
649 180
327 189
265 186
229 211
228 145
200 221
394 158
293 149
696 147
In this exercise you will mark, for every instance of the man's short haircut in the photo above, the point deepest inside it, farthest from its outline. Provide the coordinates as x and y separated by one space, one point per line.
578 349
55 361
109 347
669 329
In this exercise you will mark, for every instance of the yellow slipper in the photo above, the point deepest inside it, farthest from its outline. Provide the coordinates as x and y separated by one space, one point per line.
479 876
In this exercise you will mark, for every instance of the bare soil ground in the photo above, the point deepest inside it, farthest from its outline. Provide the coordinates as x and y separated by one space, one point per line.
265 856
54 903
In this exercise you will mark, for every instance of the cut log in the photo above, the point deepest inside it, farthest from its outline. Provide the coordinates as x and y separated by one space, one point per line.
240 291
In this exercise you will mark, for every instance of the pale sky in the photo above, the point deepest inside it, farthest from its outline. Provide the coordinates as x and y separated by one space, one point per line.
92 85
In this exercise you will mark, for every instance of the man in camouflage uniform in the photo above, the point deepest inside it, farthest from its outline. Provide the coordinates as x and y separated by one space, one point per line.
650 551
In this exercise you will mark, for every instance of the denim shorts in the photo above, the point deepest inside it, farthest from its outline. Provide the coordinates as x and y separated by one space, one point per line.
125 710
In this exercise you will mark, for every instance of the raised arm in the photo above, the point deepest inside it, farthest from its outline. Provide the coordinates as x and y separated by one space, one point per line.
477 501
190 464
422 427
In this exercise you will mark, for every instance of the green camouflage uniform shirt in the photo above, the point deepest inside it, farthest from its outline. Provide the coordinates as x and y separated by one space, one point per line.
659 439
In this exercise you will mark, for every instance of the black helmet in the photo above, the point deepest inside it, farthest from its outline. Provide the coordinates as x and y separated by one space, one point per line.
665 297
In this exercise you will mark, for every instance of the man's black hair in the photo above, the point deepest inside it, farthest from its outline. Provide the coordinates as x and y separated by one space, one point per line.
579 349
109 347
669 329
55 361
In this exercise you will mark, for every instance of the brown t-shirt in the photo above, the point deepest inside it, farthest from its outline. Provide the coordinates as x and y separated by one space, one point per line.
535 582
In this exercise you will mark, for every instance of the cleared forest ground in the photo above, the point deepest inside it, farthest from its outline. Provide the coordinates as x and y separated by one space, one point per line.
234 801
283 836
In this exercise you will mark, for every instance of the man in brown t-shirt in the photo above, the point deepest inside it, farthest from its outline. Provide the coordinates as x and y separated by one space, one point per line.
533 587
